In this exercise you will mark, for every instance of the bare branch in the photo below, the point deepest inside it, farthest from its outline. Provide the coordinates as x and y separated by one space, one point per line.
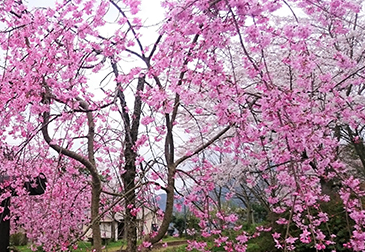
204 146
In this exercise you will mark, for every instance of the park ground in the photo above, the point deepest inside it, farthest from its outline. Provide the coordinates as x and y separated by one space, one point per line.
173 245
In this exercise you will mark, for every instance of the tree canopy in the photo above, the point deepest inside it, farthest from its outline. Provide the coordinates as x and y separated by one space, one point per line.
263 97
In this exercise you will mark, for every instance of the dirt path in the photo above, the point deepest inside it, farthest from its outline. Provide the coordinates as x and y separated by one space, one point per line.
159 245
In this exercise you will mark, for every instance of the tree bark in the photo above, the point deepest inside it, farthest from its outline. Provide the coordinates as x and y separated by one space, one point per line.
130 199
5 226
130 155
95 218
358 146
169 206
88 162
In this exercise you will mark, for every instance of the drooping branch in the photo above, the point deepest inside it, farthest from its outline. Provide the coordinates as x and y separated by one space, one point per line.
130 26
61 150
90 165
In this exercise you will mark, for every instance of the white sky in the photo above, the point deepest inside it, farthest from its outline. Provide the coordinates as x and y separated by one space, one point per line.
149 8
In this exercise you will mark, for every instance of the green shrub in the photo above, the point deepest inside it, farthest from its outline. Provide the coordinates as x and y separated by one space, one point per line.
18 239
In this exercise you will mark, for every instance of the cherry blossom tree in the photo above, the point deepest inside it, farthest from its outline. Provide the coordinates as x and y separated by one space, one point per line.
58 50
276 94
53 219
292 99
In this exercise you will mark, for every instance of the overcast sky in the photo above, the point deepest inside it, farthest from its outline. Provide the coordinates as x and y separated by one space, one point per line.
149 8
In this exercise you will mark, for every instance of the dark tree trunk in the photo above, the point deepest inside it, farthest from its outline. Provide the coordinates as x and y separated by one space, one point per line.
130 199
358 145
95 201
130 155
5 226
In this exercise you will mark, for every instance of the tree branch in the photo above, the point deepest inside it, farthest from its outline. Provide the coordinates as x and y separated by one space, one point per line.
204 146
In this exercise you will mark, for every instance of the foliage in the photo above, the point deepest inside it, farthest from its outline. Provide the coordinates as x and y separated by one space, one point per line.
179 223
18 239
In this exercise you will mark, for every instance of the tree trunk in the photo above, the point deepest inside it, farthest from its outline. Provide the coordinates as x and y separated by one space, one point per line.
358 145
95 200
168 210
171 166
249 215
130 200
5 226
89 162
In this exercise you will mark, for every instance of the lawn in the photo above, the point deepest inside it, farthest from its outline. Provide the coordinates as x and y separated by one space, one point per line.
115 246
84 247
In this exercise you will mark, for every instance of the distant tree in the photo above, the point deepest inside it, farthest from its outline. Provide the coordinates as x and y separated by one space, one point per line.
179 222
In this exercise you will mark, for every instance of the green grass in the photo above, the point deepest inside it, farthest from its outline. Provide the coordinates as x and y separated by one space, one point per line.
181 248
114 246
24 248
171 238
84 247
171 247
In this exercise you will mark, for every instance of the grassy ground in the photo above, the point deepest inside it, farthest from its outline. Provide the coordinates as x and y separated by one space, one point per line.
84 247
174 245
177 248
115 246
